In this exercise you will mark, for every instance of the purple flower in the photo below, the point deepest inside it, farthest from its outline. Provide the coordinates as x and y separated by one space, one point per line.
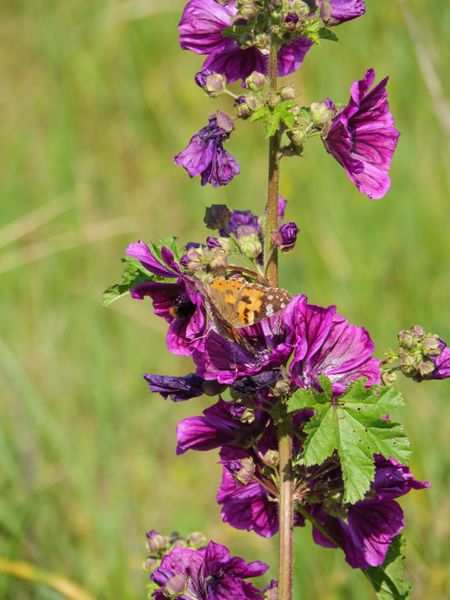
441 364
177 389
362 137
206 156
201 29
286 236
249 504
221 424
327 344
210 573
334 12
178 302
269 348
366 529
319 341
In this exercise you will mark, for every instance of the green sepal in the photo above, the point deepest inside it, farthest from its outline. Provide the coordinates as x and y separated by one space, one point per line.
353 426
171 243
327 34
388 580
134 274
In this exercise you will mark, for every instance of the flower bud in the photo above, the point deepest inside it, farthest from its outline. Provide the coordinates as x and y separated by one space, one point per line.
193 259
217 217
224 121
245 475
271 591
256 81
298 137
322 112
288 92
156 542
149 564
176 585
388 377
286 236
197 539
250 245
431 345
271 459
215 84
217 258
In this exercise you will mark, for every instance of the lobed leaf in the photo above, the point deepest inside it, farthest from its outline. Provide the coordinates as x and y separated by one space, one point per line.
388 580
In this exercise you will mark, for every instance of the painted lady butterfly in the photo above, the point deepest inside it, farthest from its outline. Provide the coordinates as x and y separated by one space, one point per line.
235 303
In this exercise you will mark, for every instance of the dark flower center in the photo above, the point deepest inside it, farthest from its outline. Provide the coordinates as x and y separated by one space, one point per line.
182 308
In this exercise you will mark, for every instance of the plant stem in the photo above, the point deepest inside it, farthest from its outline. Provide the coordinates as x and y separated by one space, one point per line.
273 184
286 508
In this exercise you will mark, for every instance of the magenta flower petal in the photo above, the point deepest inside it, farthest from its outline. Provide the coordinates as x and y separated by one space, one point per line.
363 138
290 57
327 344
236 63
209 573
201 25
206 156
335 12
141 252
176 388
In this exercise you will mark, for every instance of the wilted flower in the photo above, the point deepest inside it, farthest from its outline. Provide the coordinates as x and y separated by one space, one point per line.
422 355
362 137
206 156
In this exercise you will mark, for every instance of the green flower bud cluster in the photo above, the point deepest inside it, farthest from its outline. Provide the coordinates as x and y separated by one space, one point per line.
416 351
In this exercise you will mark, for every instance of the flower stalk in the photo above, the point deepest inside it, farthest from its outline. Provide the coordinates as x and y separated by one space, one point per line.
286 508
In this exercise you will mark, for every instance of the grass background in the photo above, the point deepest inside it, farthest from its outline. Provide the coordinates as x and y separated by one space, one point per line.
95 99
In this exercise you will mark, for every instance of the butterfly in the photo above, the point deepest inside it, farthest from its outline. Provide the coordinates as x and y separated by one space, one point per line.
235 303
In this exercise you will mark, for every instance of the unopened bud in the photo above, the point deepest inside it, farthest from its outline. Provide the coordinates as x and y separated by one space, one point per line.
245 475
271 459
176 585
156 542
250 245
431 345
322 112
215 84
149 564
193 259
298 137
217 216
197 539
256 81
288 92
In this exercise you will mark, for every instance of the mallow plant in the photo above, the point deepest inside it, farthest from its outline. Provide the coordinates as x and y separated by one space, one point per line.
301 410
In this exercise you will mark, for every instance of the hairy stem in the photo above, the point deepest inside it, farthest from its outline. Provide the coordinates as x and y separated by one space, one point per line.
284 434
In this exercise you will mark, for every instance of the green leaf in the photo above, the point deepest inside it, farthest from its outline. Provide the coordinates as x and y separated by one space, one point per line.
354 426
274 118
169 242
302 399
327 34
388 580
133 275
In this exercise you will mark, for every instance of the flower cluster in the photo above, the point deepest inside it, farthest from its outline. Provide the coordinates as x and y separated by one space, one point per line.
251 369
276 364
194 569
360 136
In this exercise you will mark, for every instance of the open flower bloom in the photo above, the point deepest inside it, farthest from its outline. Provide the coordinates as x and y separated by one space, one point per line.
319 341
366 530
201 29
362 137
176 302
210 573
206 156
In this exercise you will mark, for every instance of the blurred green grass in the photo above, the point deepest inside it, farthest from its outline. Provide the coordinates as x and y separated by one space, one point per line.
96 98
